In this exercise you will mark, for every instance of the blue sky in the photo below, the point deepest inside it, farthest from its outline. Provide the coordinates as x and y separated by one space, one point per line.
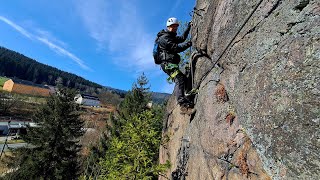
105 41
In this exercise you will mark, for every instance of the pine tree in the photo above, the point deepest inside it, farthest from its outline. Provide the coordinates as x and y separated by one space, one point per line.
134 153
52 151
91 167
135 138
131 147
136 100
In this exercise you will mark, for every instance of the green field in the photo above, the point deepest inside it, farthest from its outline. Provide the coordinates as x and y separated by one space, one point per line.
2 80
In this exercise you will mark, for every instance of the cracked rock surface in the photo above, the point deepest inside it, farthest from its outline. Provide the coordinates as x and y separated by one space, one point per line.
257 112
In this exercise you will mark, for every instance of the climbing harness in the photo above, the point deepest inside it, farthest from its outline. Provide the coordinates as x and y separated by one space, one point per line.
174 68
227 47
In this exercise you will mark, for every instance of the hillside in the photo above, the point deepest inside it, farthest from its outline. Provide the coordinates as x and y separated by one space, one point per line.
257 110
2 80
14 64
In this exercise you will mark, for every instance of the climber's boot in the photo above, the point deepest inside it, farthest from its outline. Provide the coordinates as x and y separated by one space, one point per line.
187 108
188 111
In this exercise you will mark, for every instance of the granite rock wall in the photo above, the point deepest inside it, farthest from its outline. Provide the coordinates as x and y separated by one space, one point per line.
257 111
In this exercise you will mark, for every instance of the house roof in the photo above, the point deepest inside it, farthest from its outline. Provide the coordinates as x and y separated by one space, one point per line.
87 96
29 83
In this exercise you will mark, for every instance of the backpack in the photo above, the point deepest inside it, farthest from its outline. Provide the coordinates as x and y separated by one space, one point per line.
156 52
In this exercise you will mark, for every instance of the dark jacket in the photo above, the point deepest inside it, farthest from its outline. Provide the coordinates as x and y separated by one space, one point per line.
170 45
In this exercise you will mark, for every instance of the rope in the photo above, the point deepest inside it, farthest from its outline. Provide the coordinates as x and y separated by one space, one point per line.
192 13
243 24
191 69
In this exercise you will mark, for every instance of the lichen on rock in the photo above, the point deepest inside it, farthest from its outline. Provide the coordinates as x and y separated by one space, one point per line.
258 105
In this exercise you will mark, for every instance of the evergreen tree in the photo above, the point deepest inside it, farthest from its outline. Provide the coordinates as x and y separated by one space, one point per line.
132 152
136 100
13 64
91 167
130 149
52 151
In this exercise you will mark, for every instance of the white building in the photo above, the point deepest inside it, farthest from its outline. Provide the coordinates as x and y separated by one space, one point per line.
87 100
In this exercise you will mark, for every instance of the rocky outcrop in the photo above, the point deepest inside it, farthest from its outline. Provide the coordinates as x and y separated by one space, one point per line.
257 112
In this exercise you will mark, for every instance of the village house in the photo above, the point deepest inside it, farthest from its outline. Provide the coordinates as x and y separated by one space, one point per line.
25 87
87 100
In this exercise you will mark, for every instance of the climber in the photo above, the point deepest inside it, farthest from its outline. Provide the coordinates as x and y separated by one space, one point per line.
170 45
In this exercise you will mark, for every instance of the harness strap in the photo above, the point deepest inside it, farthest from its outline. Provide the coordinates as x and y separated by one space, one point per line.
174 68
174 74
170 66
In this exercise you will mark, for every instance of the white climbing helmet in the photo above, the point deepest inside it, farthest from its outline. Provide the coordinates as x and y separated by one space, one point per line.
171 21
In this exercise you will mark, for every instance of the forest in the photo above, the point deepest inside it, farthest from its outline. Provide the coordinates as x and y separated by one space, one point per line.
14 64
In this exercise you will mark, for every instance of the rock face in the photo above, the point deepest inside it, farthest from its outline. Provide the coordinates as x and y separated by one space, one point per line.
258 108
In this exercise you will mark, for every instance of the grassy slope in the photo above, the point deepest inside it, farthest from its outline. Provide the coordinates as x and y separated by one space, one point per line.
2 80
3 167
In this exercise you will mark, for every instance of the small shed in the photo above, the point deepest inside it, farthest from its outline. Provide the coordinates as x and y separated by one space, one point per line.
87 100
25 87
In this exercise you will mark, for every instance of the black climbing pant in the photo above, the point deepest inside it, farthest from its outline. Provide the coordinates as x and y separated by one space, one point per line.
180 81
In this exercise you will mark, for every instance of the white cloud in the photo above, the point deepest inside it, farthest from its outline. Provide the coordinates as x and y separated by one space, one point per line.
16 27
62 51
48 35
117 27
95 17
44 38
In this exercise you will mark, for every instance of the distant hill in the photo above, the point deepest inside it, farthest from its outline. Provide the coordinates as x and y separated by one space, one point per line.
14 64
159 97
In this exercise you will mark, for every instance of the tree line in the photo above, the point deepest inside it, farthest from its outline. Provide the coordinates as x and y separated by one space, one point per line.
14 64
